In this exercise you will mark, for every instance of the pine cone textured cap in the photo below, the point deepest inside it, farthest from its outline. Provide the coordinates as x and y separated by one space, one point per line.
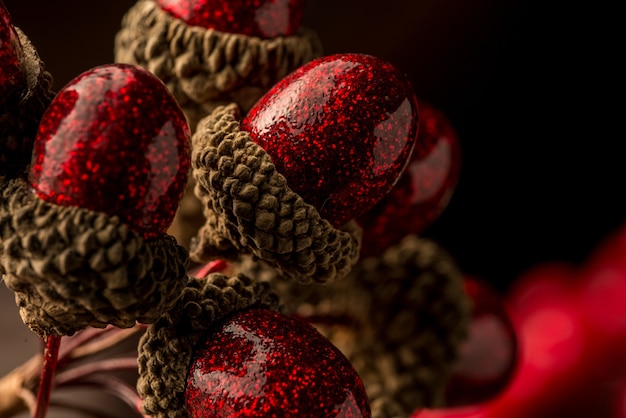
250 208
72 268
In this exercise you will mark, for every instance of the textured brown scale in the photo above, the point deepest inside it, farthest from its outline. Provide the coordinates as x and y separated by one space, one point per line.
166 349
250 209
72 268
402 317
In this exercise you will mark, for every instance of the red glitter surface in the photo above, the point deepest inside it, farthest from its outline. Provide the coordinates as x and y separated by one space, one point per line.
12 75
261 18
424 189
340 129
489 356
259 363
114 140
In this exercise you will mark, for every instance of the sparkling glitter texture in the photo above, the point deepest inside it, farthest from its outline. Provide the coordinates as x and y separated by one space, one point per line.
12 75
489 356
114 140
340 129
259 363
261 18
424 189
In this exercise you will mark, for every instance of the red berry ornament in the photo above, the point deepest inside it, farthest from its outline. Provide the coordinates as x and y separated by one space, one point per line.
340 129
489 355
258 363
114 140
262 18
11 72
424 189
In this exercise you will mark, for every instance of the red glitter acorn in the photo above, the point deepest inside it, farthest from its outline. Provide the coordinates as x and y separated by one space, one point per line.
261 18
12 74
340 129
114 140
489 356
258 363
424 189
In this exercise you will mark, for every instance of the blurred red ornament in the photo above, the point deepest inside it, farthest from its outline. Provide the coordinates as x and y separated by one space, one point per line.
424 189
114 140
258 363
340 129
12 75
262 18
489 356
602 292
545 315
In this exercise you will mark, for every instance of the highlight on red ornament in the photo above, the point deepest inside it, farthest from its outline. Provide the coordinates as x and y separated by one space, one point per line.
423 190
114 140
259 363
340 129
261 18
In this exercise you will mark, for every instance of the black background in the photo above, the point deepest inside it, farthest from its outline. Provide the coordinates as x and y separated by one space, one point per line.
533 91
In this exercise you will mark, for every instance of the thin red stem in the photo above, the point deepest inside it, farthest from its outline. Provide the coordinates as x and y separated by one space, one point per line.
79 339
50 359
208 268
118 388
108 365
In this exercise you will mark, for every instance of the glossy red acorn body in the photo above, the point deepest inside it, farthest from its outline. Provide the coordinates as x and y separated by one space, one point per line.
261 18
12 75
258 363
424 189
340 129
114 140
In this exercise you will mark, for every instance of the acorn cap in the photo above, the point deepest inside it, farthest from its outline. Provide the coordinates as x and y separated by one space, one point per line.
21 113
205 68
250 209
72 268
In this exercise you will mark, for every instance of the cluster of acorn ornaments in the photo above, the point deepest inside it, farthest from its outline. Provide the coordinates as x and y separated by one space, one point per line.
251 206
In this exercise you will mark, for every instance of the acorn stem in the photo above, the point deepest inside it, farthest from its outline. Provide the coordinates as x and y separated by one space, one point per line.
50 359
76 374
215 266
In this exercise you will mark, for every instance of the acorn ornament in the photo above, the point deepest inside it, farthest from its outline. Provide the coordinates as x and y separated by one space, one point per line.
93 126
83 241
214 52
340 129
224 350
312 154
259 363
24 95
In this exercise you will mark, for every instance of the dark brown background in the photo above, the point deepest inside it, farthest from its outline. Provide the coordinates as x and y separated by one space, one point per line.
531 89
